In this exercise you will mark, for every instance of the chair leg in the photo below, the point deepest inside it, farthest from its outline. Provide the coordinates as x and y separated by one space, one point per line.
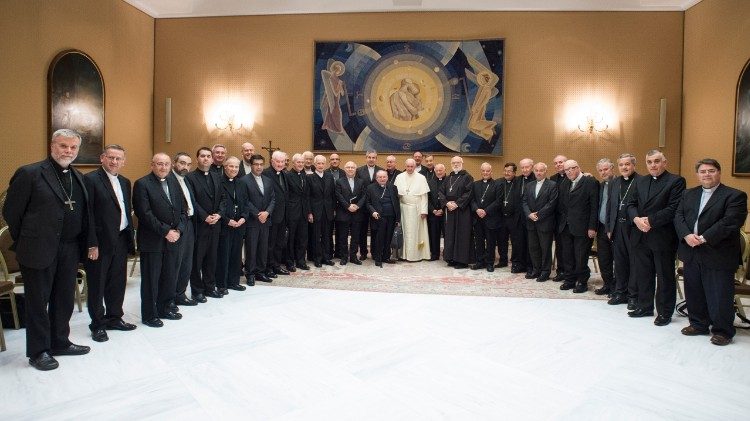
740 307
78 298
132 267
2 337
14 310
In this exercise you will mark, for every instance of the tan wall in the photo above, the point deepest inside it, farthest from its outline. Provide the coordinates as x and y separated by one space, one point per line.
716 50
117 36
554 61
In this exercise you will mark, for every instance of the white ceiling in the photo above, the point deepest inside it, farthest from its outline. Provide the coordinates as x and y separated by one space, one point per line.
198 8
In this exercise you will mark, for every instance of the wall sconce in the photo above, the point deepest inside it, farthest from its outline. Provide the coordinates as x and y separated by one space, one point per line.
226 121
592 123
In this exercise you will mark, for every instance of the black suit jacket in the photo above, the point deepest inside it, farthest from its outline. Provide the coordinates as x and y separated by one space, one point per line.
392 176
258 202
364 175
34 211
229 200
336 173
345 196
322 196
579 209
207 197
432 196
719 224
614 201
659 204
279 212
485 197
156 214
107 212
544 204
298 196
373 199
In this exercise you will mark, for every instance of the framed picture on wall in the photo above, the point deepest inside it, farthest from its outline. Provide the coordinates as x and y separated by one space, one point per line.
75 91
741 161
404 96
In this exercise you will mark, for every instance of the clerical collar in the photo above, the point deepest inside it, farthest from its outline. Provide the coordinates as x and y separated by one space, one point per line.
205 173
278 172
58 167
656 178
487 180
230 179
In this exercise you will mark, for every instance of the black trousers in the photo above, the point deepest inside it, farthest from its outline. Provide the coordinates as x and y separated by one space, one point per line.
485 240
50 294
514 229
710 298
186 253
158 281
321 240
332 249
107 277
277 239
229 256
540 250
605 257
575 256
655 273
381 246
256 249
343 229
559 252
625 280
364 227
435 230
297 242
203 275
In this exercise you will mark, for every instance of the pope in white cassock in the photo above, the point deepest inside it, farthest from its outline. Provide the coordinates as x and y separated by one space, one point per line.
412 193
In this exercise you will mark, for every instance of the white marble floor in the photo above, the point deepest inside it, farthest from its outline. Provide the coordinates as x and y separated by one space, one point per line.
286 353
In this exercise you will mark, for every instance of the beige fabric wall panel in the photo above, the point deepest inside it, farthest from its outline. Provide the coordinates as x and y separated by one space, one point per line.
555 63
117 36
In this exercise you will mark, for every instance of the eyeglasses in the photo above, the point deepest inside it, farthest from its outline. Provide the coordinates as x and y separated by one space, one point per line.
114 158
711 171
570 169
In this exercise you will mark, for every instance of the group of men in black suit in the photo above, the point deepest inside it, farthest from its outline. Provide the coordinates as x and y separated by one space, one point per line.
193 225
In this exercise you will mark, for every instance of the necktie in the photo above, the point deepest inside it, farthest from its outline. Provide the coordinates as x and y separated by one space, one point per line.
165 187
603 205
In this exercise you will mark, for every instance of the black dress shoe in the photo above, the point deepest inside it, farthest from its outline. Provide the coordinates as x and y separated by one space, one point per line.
602 291
263 278
71 349
632 304
640 313
44 362
460 266
280 271
433 258
451 263
617 299
200 298
542 278
531 275
185 301
343 262
318 264
214 294
236 287
662 320
355 261
490 268
363 257
99 335
478 266
119 324
251 281
155 322
272 274
559 277
580 288
517 270
223 291
303 266
291 268
328 262
378 263
171 315
389 261
502 265
567 285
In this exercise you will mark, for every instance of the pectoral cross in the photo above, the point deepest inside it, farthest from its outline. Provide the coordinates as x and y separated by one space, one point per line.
69 202
505 202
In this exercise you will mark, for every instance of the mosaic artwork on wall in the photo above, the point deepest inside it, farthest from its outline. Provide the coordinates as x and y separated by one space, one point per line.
402 96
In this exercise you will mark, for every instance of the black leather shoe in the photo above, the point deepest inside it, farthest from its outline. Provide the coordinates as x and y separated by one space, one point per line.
303 266
542 278
99 335
223 291
171 315
490 268
602 291
355 261
280 271
363 257
451 263
460 266
502 265
251 280
318 264
155 322
263 278
328 262
617 299
632 304
214 294
640 313
291 268
567 285
71 349
185 301
478 266
531 275
236 287
517 270
662 320
378 263
559 277
389 261
119 324
44 362
343 262
173 308
200 298
580 288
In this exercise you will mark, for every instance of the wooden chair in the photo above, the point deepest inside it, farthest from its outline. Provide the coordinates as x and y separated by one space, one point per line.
134 259
82 288
742 278
594 255
9 268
